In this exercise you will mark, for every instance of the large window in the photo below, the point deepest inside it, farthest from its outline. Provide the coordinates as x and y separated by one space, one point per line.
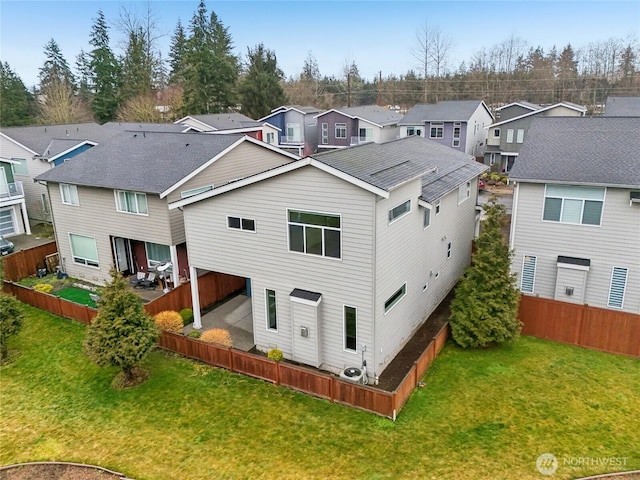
365 135
510 135
520 135
437 130
132 202
341 130
84 250
238 223
272 316
617 287
157 254
399 211
350 329
456 134
325 133
69 194
314 233
20 168
395 298
411 131
293 132
528 276
573 204
426 220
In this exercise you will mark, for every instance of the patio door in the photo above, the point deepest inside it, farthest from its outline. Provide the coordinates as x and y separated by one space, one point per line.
122 254
4 186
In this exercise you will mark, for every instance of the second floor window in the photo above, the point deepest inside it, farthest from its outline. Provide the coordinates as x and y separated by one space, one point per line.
69 194
132 202
314 233
573 204
437 130
341 130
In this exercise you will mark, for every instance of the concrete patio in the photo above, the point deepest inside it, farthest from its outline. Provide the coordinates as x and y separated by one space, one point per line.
235 316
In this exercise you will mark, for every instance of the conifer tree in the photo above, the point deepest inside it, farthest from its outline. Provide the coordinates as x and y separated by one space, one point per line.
177 51
15 99
122 334
485 308
261 89
55 70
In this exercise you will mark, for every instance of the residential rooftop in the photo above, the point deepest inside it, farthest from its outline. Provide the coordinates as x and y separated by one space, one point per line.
448 111
225 121
371 113
622 107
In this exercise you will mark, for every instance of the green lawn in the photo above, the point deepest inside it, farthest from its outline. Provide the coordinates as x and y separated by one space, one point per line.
482 415
76 295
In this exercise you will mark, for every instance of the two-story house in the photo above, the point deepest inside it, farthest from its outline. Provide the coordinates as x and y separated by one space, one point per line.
109 204
576 212
506 136
230 123
459 124
13 210
297 128
622 107
340 128
347 252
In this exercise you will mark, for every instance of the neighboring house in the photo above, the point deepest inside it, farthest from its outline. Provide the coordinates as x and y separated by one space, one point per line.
506 136
340 128
109 204
348 252
230 123
39 148
576 212
13 209
297 128
622 107
459 124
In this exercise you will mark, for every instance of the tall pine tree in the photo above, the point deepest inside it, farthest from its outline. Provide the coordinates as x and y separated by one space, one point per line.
15 99
177 51
261 89
485 308
55 70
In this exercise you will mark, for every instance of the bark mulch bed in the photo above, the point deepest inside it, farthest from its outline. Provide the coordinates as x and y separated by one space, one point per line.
57 471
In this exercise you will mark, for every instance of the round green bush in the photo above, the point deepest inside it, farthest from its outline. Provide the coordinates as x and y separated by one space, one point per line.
187 316
275 354
194 334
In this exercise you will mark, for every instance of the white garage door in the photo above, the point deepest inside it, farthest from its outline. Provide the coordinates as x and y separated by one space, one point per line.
6 222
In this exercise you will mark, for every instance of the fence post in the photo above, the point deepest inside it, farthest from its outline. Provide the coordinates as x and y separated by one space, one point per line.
580 324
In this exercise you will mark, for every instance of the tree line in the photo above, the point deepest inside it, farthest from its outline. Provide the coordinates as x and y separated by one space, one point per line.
202 75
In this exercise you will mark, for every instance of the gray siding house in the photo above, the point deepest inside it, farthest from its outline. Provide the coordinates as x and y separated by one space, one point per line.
297 128
347 253
576 212
506 136
110 204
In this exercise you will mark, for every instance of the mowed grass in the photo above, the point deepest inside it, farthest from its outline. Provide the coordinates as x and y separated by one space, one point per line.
482 415
76 295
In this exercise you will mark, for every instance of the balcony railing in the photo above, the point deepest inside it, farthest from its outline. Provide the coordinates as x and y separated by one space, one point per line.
359 140
11 191
289 140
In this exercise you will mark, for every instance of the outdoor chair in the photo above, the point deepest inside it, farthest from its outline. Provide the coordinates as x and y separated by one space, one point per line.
135 281
149 282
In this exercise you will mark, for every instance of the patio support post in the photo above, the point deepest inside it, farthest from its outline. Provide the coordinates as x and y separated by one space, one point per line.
25 217
195 298
175 271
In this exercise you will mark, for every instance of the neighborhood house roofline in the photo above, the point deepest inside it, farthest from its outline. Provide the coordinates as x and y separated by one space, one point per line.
61 154
289 167
571 182
561 104
278 110
221 154
520 104
423 122
347 115
18 143
189 117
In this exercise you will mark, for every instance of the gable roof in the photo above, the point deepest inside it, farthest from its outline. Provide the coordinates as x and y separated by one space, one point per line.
572 106
305 110
521 103
622 107
581 150
379 116
148 162
223 121
448 111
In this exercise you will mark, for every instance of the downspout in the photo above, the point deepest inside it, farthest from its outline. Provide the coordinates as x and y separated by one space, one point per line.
514 210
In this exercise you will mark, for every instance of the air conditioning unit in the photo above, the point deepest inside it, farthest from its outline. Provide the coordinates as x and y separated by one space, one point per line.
352 374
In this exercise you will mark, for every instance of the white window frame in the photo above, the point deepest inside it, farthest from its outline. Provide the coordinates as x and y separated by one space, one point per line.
341 127
533 276
70 190
119 207
426 221
414 131
492 159
520 135
496 133
23 163
564 198
270 137
624 288
464 192
344 329
44 199
193 191
153 262
437 205
456 139
296 130
304 234
325 134
394 219
510 135
439 129
402 292
266 309
241 227
86 260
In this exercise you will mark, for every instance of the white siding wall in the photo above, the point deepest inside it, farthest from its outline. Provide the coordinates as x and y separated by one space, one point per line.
263 256
96 217
32 191
614 243
477 122
387 133
406 252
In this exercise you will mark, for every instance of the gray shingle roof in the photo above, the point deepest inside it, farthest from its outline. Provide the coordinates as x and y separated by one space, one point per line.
373 113
532 106
227 121
388 165
581 150
449 111
449 175
149 162
57 146
622 107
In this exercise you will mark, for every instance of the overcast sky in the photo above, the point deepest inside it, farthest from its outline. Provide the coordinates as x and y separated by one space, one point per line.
377 35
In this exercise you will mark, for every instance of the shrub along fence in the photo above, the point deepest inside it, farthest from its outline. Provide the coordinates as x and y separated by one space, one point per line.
24 263
582 325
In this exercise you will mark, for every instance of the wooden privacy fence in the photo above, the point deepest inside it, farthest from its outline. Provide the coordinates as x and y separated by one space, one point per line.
582 325
24 263
309 381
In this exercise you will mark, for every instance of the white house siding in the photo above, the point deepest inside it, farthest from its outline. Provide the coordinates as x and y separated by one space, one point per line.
263 256
96 217
476 131
562 111
407 252
613 244
387 133
32 191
